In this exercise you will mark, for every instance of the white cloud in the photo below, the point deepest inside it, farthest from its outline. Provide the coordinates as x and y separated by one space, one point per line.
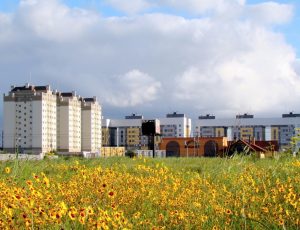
132 89
271 13
130 7
193 6
224 62
54 21
297 66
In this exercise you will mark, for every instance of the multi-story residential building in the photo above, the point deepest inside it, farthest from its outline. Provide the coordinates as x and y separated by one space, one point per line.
124 132
127 132
69 122
175 125
37 119
246 127
30 119
90 125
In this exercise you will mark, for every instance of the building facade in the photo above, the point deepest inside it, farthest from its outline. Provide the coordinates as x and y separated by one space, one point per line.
128 132
69 122
30 123
246 127
38 119
194 146
175 125
90 125
124 132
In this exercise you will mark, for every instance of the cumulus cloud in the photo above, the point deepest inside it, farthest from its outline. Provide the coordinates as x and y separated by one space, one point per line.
130 7
224 62
132 89
271 13
297 66
54 21
192 6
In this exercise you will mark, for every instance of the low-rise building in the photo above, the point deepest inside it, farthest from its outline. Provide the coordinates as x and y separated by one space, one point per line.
175 125
194 146
247 127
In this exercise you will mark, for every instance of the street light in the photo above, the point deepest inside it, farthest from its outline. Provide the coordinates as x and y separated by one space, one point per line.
186 143
17 147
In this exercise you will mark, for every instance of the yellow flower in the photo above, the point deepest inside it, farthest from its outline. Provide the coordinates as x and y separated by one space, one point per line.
281 222
72 215
46 181
111 194
7 170
228 212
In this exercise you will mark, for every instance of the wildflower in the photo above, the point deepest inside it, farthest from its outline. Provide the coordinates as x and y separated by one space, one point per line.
82 220
281 222
204 218
46 181
7 170
137 215
111 194
90 210
72 215
228 212
29 183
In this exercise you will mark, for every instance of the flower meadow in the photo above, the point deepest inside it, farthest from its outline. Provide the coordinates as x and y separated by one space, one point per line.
140 193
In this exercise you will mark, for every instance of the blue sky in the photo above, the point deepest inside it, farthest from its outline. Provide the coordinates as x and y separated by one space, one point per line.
290 30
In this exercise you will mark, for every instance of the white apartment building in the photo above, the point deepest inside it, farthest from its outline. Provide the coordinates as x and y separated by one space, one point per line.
29 119
91 125
37 119
68 122
175 125
128 132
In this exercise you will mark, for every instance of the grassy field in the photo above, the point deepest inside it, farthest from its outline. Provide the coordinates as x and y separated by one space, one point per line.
140 193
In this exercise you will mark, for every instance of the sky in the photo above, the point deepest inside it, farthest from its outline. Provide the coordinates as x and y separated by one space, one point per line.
221 57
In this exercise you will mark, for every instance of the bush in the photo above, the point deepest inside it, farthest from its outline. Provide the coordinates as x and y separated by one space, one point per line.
130 153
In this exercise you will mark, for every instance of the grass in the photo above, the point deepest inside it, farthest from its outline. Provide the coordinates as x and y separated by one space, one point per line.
173 193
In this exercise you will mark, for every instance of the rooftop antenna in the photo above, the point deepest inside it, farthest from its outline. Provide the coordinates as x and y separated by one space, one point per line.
29 77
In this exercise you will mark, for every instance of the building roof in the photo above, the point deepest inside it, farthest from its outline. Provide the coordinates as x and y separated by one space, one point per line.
134 116
90 99
207 116
175 115
67 94
22 88
41 88
28 87
290 114
233 122
126 123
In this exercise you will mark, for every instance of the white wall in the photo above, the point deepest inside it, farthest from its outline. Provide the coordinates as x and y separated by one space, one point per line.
63 127
9 126
37 125
86 134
